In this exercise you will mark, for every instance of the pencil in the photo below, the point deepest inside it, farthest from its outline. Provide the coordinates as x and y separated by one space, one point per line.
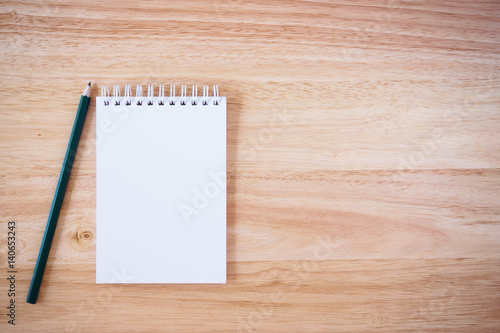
43 255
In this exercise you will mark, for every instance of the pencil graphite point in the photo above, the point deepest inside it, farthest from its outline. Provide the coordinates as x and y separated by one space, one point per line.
87 91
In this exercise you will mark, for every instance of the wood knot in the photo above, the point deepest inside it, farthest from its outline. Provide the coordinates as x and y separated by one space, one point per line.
86 235
83 238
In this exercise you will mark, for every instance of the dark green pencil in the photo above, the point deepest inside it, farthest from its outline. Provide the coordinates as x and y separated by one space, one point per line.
36 281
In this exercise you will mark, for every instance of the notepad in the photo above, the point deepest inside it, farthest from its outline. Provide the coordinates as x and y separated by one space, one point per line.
161 186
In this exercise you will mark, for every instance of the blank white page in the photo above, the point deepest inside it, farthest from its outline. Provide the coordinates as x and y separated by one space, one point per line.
161 192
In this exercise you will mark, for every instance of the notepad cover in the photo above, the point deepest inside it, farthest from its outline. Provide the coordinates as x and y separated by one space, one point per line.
161 193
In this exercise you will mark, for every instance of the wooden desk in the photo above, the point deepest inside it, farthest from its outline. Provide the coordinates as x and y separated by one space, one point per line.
363 160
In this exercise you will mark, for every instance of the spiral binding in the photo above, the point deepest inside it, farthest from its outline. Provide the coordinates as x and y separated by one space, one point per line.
183 99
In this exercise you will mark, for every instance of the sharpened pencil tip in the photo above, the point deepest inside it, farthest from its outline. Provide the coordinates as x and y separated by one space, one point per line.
87 91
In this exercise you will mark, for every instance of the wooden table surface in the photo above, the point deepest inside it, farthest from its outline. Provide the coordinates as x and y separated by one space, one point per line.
363 161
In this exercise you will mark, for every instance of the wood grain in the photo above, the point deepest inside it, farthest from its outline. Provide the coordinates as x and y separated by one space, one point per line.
363 161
